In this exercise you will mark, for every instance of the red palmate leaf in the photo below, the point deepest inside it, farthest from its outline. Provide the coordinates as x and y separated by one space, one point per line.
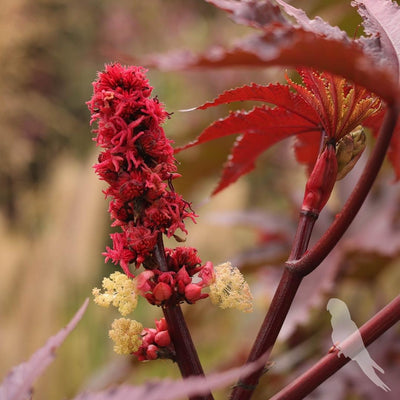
325 108
277 94
277 123
261 128
331 104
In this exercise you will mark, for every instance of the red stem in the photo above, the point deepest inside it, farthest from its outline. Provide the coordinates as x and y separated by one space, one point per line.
302 238
186 354
331 363
278 309
328 241
297 268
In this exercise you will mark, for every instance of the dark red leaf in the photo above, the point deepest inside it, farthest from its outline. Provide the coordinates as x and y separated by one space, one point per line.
252 13
374 123
171 390
381 22
17 385
317 25
380 233
374 241
292 47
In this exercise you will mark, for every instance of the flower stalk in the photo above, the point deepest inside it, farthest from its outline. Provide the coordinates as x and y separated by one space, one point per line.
185 352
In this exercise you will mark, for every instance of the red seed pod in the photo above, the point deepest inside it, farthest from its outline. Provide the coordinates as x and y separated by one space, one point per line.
192 292
151 352
321 181
162 339
161 325
207 274
162 292
148 336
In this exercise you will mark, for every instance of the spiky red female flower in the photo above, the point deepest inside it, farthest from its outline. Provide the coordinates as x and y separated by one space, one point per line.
137 162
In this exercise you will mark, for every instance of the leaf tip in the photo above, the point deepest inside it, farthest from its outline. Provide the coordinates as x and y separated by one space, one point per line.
188 109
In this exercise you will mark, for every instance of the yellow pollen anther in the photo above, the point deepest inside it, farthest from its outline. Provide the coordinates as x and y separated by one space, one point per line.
125 334
120 291
230 290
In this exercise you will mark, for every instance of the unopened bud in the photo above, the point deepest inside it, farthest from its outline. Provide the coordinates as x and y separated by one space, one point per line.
348 150
321 181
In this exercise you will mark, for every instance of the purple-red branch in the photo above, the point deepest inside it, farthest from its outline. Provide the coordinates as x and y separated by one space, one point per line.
299 265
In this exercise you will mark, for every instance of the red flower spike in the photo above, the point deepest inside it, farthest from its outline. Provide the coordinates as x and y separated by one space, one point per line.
137 162
321 181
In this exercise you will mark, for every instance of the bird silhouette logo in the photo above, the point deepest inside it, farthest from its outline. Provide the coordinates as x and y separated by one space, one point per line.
343 327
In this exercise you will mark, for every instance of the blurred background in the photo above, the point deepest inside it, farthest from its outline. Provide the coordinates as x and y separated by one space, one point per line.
53 216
